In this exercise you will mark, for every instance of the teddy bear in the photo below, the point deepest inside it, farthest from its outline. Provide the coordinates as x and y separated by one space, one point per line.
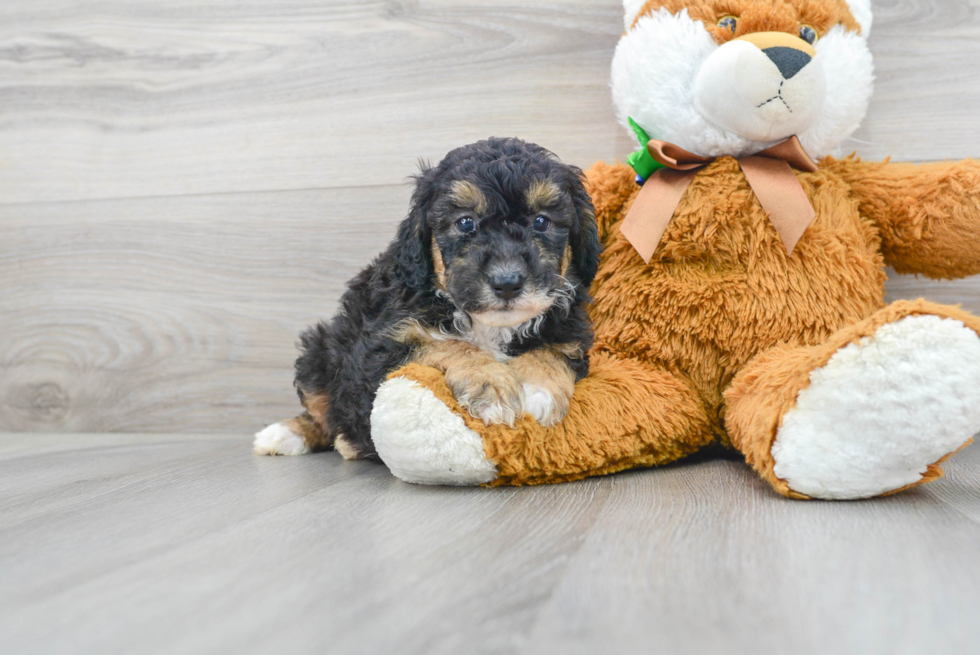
740 295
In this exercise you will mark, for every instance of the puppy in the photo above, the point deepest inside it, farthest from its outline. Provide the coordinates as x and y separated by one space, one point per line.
486 280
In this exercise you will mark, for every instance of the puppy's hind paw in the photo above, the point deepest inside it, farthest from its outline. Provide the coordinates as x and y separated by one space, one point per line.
278 439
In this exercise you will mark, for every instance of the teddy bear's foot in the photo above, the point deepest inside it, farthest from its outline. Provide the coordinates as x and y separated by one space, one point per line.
422 441
877 416
881 411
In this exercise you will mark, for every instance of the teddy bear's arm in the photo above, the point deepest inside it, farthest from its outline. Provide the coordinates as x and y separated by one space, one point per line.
610 187
928 215
624 414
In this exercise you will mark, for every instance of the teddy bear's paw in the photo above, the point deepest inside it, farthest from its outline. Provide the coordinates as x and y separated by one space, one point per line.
492 394
278 439
544 406
882 410
422 441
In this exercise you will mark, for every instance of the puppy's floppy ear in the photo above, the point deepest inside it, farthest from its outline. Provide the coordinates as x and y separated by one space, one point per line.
584 237
413 259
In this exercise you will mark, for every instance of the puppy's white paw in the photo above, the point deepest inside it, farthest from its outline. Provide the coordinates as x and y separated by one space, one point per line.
543 406
277 439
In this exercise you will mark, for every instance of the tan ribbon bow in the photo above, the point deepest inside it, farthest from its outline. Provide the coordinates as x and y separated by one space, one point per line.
768 173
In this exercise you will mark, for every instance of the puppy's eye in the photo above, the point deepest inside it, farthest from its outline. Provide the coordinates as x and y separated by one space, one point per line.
808 34
466 225
728 23
541 223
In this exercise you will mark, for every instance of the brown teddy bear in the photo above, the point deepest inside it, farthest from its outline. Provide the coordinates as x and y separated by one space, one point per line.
740 297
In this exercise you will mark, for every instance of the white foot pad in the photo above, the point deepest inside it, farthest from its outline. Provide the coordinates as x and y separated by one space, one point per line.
277 439
422 441
881 410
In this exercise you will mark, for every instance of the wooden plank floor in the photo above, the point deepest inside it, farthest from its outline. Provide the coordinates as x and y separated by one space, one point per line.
189 544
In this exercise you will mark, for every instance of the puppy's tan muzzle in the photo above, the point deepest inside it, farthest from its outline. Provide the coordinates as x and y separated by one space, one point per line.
789 53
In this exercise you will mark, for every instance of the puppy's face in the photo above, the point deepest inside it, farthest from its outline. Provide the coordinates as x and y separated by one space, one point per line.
505 253
511 231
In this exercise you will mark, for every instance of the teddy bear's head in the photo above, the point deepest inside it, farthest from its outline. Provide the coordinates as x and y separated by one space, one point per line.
732 77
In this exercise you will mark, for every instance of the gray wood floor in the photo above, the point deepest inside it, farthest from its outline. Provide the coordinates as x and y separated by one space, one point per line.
187 544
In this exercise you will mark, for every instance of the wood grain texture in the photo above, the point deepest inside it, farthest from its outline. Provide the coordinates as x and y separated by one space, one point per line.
121 99
185 186
165 544
927 69
171 313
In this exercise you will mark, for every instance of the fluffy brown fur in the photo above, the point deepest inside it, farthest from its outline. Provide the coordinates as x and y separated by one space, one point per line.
684 357
713 341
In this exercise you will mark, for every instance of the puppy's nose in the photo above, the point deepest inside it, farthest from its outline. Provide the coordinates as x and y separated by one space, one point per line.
507 285
789 61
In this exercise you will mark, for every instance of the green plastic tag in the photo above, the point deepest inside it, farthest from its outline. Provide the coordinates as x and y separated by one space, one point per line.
641 161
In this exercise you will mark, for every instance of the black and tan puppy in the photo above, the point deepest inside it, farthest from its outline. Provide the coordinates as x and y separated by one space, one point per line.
486 281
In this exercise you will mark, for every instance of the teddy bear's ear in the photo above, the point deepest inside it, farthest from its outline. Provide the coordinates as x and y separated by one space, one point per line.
861 10
632 9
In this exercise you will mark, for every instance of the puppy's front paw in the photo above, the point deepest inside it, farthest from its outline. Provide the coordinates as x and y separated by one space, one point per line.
548 381
547 406
492 394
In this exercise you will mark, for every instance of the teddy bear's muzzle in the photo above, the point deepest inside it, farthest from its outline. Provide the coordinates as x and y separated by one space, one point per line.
764 87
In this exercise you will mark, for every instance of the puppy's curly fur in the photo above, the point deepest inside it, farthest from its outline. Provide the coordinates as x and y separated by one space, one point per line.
487 279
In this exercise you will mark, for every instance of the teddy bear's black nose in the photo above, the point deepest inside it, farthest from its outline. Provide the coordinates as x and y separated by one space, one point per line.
789 61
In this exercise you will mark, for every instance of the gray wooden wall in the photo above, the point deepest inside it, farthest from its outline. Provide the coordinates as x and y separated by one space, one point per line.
184 185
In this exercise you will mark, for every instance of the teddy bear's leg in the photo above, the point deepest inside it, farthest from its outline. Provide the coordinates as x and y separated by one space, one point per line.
622 415
872 411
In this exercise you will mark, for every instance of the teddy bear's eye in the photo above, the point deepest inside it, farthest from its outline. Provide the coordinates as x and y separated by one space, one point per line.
728 23
808 34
